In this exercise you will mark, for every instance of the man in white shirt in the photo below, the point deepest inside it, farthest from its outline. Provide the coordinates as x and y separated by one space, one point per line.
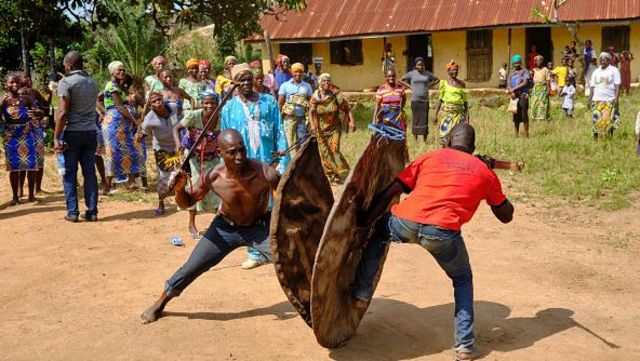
603 100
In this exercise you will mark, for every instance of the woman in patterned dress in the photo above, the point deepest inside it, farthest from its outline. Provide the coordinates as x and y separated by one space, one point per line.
191 84
540 90
20 143
390 101
193 124
327 110
453 107
122 153
39 128
174 94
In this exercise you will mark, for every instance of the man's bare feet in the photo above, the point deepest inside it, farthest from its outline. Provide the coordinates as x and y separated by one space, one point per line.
151 314
14 201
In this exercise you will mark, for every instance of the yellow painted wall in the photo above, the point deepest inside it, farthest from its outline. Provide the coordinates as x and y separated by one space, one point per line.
452 45
367 75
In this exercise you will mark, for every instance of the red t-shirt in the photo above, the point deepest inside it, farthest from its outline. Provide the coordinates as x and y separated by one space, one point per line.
447 186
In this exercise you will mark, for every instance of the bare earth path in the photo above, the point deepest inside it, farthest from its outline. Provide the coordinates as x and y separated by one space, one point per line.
556 284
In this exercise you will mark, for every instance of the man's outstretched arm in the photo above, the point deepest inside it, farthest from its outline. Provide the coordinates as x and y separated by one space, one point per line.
503 211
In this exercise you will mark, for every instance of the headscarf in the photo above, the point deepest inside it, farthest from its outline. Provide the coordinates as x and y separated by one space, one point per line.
297 66
191 63
516 59
452 64
205 62
158 58
538 57
280 58
230 58
239 68
606 55
324 76
256 70
207 93
255 64
419 60
113 66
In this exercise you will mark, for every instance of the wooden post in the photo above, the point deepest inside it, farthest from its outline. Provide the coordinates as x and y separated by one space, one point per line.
267 41
508 55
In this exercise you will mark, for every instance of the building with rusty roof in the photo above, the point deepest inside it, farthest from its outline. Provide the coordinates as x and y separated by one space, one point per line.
349 37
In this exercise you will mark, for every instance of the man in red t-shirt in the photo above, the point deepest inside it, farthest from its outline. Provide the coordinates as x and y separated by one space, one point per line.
445 188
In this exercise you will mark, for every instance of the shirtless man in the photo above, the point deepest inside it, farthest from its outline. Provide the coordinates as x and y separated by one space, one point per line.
244 186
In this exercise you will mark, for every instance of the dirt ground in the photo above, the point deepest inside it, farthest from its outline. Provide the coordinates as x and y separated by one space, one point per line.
559 283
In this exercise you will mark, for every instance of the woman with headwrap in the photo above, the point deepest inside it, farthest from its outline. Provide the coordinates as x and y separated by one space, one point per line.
18 135
204 75
419 81
293 99
453 107
283 70
518 88
258 81
191 84
327 114
224 80
174 94
390 101
540 90
122 153
603 99
152 82
206 156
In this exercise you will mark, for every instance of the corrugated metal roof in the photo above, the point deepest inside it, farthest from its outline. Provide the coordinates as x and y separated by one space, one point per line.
330 19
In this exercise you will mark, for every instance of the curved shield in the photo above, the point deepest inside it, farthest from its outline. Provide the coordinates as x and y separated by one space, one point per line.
334 316
301 205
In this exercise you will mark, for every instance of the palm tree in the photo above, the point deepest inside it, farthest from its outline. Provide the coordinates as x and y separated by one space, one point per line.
133 38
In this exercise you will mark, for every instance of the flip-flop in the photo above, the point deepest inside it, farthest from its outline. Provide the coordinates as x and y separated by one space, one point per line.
177 241
113 192
159 212
195 235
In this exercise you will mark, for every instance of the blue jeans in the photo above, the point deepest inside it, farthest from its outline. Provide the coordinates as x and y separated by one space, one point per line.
449 250
81 149
220 239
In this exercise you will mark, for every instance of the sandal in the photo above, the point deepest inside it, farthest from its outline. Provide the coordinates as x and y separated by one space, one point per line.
159 212
195 235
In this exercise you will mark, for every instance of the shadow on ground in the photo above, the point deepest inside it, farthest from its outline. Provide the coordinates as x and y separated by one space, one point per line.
395 330
282 311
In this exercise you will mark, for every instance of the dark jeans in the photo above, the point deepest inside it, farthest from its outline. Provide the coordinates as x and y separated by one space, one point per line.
81 149
449 250
220 239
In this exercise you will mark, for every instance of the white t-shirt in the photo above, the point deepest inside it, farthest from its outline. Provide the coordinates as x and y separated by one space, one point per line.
604 82
567 93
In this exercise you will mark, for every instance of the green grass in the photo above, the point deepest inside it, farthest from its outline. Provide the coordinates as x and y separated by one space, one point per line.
563 162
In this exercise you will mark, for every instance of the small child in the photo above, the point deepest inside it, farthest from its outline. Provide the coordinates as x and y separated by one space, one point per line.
553 84
502 79
567 93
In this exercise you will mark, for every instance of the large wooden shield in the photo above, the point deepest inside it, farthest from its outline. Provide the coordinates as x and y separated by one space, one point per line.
334 317
301 206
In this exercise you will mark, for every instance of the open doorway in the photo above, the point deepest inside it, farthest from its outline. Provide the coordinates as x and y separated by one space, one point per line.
419 46
541 38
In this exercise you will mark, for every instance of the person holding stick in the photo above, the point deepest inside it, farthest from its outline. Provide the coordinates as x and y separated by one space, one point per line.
244 186
206 155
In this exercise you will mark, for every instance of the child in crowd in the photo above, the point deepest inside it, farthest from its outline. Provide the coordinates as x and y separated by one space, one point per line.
553 84
502 78
561 72
567 94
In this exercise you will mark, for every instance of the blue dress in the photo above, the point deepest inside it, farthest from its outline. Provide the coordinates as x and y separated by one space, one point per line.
122 154
20 142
